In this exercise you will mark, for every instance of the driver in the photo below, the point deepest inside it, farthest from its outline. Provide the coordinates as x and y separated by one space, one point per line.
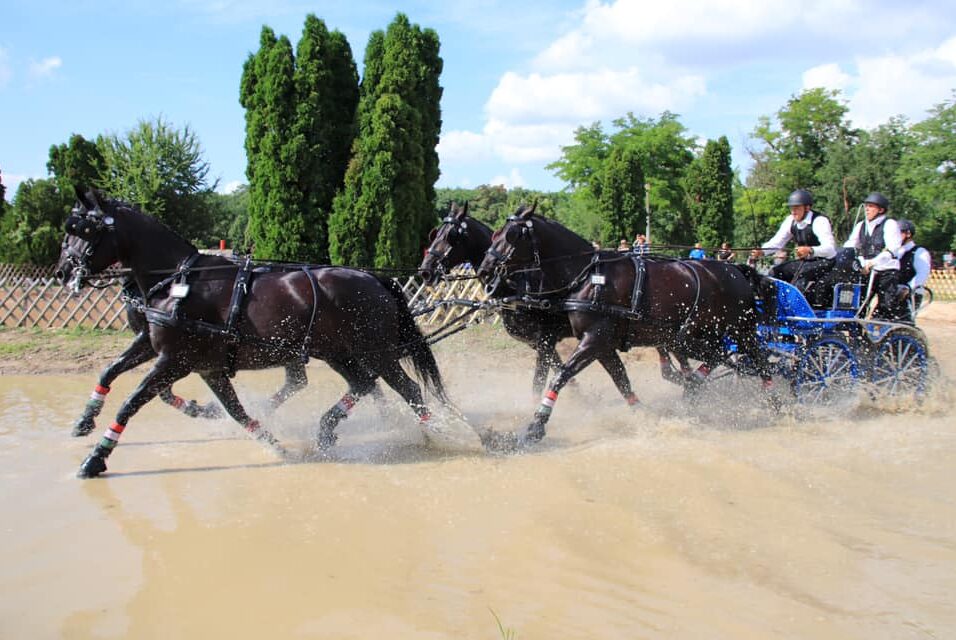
915 266
815 246
877 241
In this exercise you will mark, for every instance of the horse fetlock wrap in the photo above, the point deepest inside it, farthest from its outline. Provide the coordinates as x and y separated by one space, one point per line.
212 315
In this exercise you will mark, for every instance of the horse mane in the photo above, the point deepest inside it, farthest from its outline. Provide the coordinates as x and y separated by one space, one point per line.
117 205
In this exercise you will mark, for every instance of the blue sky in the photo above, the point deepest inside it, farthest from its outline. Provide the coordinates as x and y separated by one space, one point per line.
518 77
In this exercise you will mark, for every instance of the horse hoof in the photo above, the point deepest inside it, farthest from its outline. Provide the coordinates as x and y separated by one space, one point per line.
499 442
326 440
83 427
93 466
532 435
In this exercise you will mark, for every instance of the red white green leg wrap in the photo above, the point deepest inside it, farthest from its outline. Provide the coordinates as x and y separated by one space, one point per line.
95 404
631 399
343 407
547 404
702 371
111 438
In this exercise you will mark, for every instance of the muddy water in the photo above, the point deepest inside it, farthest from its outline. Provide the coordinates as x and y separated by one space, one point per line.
717 521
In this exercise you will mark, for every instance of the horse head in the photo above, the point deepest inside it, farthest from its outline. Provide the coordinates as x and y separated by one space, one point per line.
83 251
459 239
512 244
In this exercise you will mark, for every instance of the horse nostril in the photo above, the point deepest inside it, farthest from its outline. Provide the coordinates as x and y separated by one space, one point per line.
59 275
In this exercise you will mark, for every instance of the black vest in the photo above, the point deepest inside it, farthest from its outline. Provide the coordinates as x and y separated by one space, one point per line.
805 237
907 270
871 245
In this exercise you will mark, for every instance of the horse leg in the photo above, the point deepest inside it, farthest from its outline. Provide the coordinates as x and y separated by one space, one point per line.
136 354
615 368
393 375
226 394
295 380
547 359
191 408
591 347
668 372
360 381
163 374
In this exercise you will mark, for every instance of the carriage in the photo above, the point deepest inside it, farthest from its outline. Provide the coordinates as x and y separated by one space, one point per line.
828 354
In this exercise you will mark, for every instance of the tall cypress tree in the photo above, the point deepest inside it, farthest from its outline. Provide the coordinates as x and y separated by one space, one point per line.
709 188
380 218
326 86
276 223
622 195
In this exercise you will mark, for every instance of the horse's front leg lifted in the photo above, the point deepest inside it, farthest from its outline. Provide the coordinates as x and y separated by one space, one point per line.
159 377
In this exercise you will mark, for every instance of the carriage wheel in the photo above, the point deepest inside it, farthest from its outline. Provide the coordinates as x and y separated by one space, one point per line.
900 365
828 373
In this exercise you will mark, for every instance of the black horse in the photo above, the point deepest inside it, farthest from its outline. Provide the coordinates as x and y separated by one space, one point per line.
141 351
209 315
615 302
137 353
462 239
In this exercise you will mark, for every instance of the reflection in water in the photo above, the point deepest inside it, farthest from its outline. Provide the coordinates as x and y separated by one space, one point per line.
715 521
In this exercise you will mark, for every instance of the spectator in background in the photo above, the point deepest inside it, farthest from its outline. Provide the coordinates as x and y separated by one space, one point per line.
725 254
697 253
640 246
623 246
949 261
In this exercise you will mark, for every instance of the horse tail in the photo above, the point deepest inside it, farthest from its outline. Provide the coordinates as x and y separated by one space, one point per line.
413 343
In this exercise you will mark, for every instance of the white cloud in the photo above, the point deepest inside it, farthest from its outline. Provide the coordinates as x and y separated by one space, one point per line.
892 84
463 146
44 68
229 187
827 76
5 71
512 180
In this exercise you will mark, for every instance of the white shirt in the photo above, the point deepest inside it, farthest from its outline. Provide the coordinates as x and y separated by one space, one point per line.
892 242
921 263
821 229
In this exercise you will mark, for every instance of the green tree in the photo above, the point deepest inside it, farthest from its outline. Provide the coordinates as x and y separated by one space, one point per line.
383 214
277 227
928 171
76 165
792 151
160 169
326 95
32 229
709 183
621 202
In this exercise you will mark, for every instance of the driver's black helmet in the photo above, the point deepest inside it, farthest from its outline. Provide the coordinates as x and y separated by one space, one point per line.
878 199
800 196
907 226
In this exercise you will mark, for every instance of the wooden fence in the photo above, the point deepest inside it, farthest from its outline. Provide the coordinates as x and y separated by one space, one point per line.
31 297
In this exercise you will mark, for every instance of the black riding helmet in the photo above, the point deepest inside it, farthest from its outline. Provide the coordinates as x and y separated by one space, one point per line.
799 197
878 199
907 226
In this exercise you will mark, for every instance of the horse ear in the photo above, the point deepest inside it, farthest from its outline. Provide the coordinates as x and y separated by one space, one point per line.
83 199
461 213
527 212
465 209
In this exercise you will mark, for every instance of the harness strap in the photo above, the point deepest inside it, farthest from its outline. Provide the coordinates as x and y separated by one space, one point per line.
307 341
640 275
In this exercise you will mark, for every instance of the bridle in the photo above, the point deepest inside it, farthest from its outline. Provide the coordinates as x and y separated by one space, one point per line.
91 227
457 232
517 228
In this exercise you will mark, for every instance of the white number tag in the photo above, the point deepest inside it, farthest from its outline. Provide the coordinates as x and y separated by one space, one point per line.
597 279
179 290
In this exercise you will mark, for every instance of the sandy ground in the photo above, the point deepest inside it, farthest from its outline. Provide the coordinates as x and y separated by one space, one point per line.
717 520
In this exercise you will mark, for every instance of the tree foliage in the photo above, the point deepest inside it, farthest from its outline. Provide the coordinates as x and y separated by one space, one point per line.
621 200
387 206
77 165
160 169
709 183
32 229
